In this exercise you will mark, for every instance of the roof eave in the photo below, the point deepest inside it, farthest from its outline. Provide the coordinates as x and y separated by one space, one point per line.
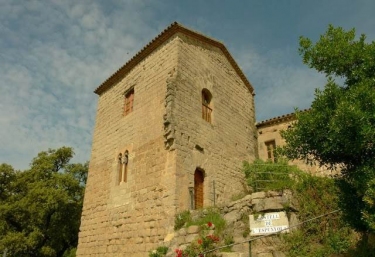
159 40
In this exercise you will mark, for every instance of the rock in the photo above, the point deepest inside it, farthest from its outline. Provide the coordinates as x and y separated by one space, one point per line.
273 193
182 232
293 221
190 238
231 217
258 195
193 229
169 237
269 204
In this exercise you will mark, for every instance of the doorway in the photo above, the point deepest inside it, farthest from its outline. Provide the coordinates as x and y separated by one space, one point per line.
198 188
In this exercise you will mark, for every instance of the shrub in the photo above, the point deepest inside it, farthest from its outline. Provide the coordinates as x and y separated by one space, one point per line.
209 215
315 196
181 219
264 176
161 251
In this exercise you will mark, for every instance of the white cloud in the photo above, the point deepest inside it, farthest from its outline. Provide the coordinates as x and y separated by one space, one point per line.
56 54
280 85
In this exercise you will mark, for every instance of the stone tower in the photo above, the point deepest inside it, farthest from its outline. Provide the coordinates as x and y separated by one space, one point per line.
173 126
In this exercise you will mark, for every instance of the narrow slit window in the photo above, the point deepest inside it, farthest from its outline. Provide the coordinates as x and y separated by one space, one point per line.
125 161
119 167
206 105
129 101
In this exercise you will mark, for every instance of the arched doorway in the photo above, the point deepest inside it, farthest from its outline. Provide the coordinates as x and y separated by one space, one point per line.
198 188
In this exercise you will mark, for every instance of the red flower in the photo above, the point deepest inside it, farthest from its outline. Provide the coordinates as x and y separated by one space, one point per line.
178 252
213 238
209 224
200 241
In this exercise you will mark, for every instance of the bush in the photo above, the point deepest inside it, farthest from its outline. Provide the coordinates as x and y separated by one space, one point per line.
264 176
315 196
181 219
161 251
209 215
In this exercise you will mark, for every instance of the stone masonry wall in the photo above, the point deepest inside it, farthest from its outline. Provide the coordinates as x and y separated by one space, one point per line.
220 147
130 218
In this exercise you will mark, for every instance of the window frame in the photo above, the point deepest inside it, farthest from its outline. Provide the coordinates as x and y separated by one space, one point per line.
128 101
206 105
271 150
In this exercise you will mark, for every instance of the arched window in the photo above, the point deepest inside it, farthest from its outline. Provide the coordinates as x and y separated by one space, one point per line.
123 167
206 105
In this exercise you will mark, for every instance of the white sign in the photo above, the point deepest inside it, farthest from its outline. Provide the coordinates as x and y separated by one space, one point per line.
268 223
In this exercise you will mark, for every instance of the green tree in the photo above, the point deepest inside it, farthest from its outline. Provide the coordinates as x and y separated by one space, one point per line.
339 129
40 208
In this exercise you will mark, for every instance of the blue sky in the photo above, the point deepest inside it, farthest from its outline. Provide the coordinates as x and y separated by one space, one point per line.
54 53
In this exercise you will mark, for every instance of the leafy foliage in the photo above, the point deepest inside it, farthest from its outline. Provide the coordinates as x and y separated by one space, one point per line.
181 219
206 216
315 196
159 252
265 175
40 208
207 241
339 129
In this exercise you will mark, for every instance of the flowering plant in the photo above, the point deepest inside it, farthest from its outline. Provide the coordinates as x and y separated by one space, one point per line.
204 243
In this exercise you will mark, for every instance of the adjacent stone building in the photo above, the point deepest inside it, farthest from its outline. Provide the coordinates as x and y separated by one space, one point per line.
173 126
269 138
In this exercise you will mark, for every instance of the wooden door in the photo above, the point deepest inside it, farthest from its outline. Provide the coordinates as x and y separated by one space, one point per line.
198 188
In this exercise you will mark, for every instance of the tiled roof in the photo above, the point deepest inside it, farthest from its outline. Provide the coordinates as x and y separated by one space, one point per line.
278 119
159 40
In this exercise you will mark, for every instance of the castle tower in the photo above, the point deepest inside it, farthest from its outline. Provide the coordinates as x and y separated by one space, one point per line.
173 126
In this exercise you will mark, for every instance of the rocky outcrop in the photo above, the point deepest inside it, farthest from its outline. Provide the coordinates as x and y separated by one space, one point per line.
236 215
